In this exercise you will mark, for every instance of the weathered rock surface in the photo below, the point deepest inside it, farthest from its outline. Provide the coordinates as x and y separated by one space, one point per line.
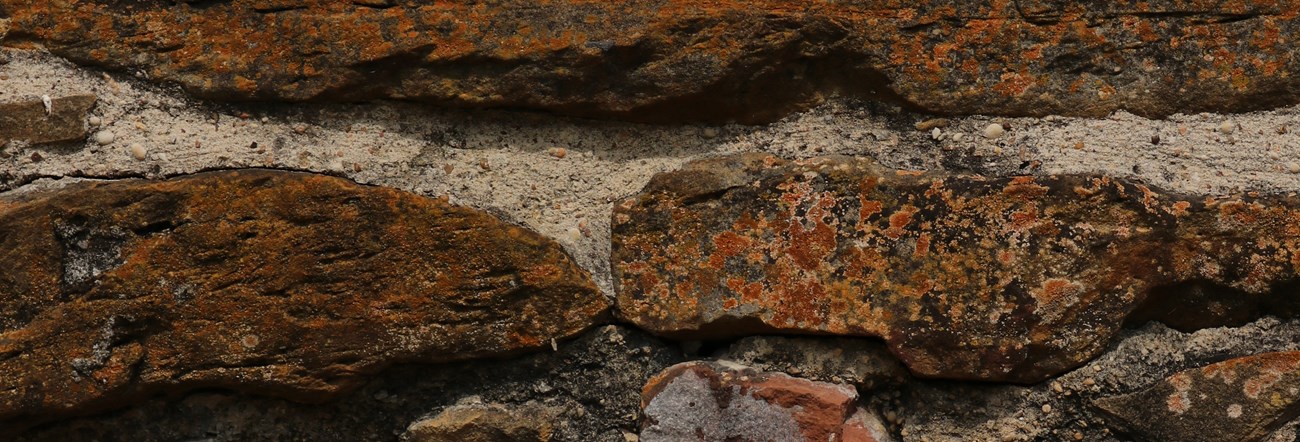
270 282
679 60
864 363
30 121
714 401
487 423
596 379
1241 399
1011 279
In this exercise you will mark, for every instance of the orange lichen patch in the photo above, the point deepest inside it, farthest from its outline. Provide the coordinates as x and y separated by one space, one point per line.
899 220
1269 370
1053 291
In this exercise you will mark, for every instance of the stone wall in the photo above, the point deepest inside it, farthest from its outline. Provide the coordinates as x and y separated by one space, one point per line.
663 220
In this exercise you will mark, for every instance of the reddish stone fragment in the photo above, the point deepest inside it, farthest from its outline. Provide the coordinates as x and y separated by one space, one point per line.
279 283
710 401
1241 399
690 60
1010 279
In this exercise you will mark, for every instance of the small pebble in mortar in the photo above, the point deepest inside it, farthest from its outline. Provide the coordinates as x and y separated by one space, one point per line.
138 151
104 138
1226 127
994 130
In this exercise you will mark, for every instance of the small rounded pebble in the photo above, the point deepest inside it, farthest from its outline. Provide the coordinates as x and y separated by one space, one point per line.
1226 127
138 151
936 133
1078 435
1089 382
994 130
1047 408
709 132
95 121
1293 167
104 138
558 152
1056 386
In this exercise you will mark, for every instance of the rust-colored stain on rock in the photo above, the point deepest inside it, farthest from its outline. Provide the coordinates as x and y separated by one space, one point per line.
1010 279
661 60
280 283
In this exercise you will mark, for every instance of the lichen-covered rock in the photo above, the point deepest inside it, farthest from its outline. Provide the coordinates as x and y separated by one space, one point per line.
31 121
279 283
681 59
1241 399
715 401
965 277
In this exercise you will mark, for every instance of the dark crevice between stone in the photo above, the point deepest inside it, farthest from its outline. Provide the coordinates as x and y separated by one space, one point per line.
1199 304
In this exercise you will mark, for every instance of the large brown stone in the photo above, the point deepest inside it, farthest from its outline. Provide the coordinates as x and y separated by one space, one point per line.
1241 399
1008 279
688 60
279 283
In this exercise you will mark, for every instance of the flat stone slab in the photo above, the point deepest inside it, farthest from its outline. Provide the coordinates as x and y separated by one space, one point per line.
31 121
280 283
964 277
1241 399
679 60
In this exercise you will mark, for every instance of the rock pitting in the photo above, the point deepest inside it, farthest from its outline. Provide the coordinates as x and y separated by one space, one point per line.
673 60
965 277
281 283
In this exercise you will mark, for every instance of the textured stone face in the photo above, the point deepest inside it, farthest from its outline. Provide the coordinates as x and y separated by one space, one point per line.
711 401
1239 399
277 283
30 121
529 422
681 60
1012 279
